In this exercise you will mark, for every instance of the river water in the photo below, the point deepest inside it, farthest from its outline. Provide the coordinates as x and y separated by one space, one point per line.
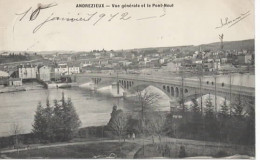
93 108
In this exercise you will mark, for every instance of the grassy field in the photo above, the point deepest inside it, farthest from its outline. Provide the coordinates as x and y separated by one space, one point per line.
78 151
191 150
169 147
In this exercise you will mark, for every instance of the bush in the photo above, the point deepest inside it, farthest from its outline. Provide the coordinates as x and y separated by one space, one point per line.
182 152
221 153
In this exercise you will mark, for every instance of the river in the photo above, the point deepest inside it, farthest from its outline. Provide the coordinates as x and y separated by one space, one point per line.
93 108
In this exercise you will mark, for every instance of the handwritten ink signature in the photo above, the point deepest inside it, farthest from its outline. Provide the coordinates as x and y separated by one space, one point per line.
95 17
232 22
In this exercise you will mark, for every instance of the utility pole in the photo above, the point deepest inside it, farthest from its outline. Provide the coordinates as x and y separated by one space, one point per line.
182 94
215 94
201 76
200 97
221 37
117 83
230 94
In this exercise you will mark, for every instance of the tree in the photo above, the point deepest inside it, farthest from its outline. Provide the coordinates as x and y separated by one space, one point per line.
118 122
155 124
16 130
211 124
196 120
209 110
251 121
223 119
237 107
146 99
48 114
182 106
182 152
145 102
40 122
195 106
57 123
224 109
71 119
65 120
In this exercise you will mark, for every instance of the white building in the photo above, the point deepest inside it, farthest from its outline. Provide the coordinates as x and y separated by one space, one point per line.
161 61
4 74
224 60
172 67
15 82
248 58
111 55
73 70
66 70
216 65
27 72
45 73
198 62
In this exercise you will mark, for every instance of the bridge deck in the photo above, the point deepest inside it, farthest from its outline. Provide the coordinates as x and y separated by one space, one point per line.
187 82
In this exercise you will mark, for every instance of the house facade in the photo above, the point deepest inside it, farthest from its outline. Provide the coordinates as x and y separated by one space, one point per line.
45 73
27 72
66 70
15 82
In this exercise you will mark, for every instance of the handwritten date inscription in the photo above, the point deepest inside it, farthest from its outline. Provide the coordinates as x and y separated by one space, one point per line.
93 18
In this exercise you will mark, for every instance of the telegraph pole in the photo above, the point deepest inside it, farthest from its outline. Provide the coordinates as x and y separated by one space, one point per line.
200 97
201 76
182 92
215 94
117 83
221 37
230 94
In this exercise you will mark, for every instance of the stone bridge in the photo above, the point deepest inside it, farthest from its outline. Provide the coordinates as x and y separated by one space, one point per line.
174 87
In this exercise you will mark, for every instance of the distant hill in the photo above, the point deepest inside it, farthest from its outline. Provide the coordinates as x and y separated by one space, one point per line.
229 45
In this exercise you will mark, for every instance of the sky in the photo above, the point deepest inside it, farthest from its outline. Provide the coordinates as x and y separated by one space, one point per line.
188 22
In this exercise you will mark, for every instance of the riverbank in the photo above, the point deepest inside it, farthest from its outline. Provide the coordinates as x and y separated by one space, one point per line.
61 85
12 89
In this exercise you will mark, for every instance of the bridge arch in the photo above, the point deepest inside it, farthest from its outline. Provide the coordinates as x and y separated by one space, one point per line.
177 92
172 91
166 90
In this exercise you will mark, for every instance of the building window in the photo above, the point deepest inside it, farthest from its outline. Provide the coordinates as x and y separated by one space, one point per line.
222 84
212 83
207 82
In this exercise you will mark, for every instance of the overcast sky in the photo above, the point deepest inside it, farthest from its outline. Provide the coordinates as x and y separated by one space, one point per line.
189 22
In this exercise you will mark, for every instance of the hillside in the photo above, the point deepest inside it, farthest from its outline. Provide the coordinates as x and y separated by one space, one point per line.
228 45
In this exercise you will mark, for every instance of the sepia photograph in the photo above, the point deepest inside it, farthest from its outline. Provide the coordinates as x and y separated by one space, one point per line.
121 79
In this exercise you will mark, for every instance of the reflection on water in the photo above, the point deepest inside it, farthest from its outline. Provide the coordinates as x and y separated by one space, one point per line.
20 107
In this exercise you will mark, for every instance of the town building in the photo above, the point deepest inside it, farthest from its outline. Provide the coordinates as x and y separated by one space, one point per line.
3 78
244 59
171 66
27 71
45 73
15 82
64 69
